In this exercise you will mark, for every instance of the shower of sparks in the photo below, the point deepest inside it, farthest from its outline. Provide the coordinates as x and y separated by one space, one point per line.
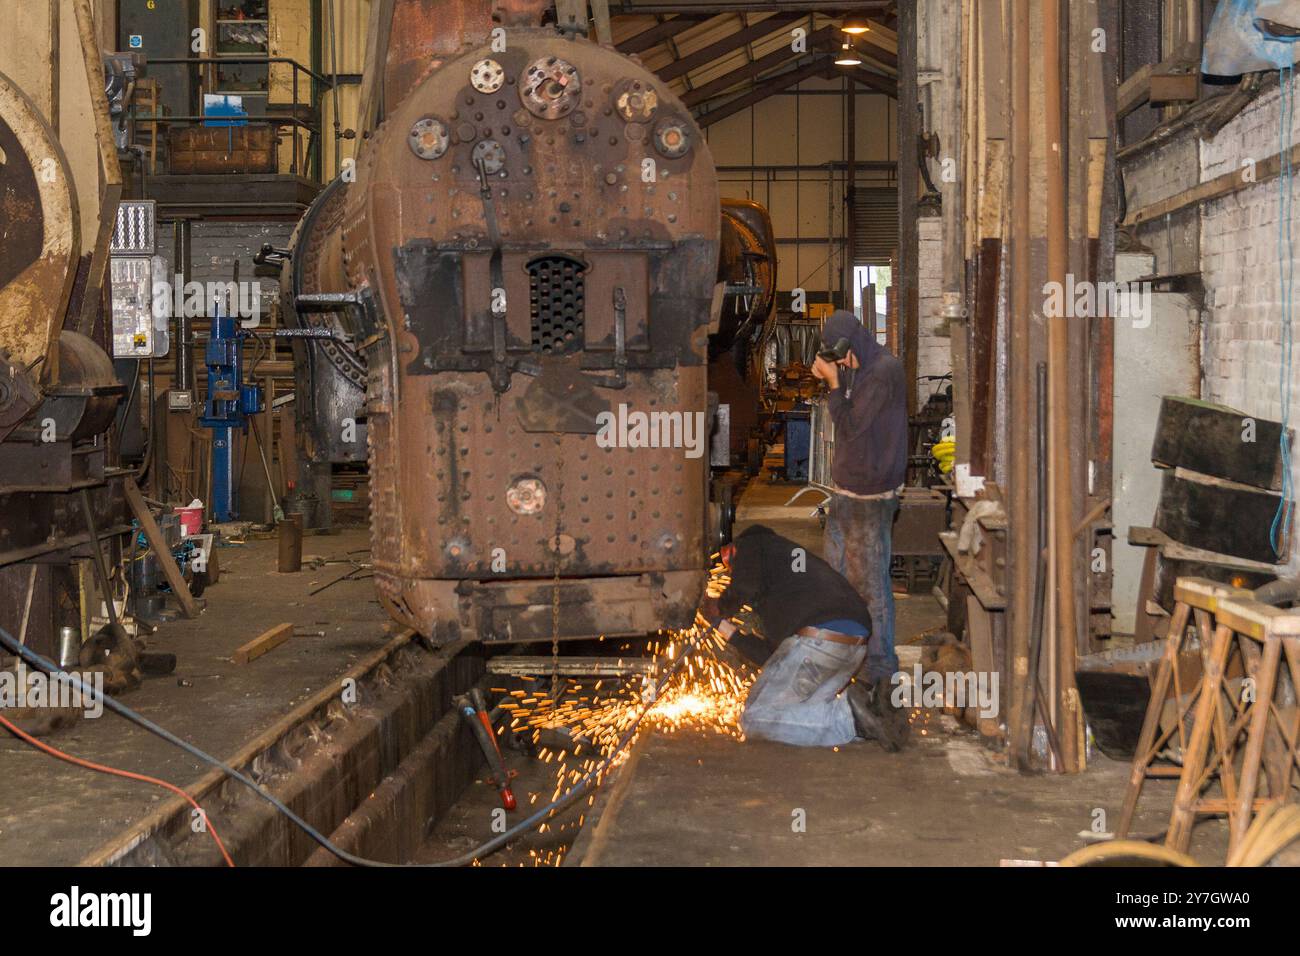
580 729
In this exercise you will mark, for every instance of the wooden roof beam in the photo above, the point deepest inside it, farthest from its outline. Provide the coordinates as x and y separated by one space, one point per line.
874 81
721 48
751 70
775 85
660 32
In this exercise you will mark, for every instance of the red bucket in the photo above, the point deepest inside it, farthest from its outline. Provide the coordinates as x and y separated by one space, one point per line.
191 519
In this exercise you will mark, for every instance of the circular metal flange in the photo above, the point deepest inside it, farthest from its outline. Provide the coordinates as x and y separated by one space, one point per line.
491 154
487 76
672 138
429 138
527 496
636 102
551 87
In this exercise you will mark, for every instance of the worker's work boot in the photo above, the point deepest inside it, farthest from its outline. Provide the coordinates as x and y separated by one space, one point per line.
865 718
892 718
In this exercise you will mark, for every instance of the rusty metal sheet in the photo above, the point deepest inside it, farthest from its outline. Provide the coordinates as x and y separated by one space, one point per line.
538 230
39 231
561 399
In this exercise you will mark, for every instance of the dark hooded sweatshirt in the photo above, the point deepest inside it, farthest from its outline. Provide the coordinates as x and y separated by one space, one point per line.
765 575
869 410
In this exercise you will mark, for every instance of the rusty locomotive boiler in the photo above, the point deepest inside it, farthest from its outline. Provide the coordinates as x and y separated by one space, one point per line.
526 261
61 484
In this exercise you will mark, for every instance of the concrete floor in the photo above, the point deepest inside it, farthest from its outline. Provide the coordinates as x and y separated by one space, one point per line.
52 813
687 799
698 799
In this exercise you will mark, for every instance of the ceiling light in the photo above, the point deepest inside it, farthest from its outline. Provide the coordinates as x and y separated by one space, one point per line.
848 56
856 25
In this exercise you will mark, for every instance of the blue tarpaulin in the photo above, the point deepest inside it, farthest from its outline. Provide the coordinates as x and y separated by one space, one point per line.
1247 36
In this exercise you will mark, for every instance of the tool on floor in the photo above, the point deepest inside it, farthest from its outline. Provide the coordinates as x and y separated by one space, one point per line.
474 709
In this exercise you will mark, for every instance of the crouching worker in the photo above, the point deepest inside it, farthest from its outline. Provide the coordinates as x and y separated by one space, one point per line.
805 694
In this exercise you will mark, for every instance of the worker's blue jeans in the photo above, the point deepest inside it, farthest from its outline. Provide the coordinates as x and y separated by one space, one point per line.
797 699
858 540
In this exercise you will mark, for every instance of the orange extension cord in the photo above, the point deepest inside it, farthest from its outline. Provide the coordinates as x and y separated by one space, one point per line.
100 768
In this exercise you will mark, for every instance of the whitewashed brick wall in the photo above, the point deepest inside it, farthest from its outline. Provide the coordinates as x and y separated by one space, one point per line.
934 353
1241 349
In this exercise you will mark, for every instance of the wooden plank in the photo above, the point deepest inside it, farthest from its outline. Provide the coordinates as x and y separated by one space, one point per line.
663 31
1134 91
1218 440
981 368
1216 188
979 631
1175 87
1258 621
772 60
734 41
153 534
974 576
773 86
1230 518
600 19
1205 594
264 643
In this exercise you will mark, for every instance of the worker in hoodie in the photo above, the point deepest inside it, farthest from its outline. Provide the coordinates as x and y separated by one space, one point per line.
821 631
868 407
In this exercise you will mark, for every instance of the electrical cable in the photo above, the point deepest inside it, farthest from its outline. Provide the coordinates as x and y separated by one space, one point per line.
589 781
114 771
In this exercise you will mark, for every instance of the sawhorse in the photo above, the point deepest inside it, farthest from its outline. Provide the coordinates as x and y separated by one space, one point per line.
1199 596
1226 618
1264 634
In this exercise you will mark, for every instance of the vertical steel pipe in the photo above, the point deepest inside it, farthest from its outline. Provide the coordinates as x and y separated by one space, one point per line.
184 378
1024 559
1058 360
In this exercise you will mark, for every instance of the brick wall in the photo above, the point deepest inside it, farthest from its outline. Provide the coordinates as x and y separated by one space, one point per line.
934 353
215 247
1241 348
